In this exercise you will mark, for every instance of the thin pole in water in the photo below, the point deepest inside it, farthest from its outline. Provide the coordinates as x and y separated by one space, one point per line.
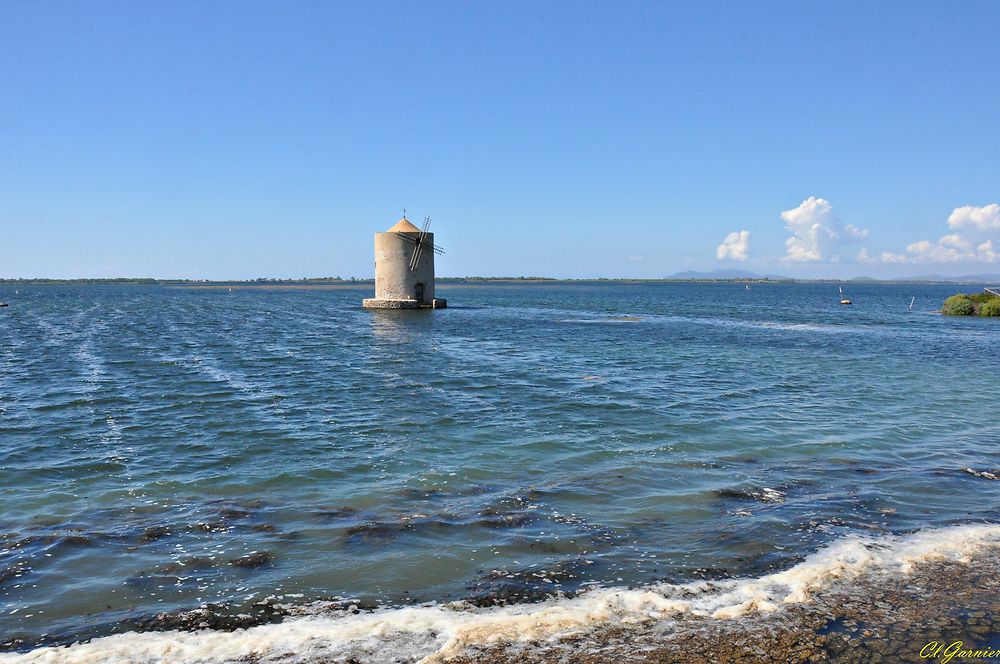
912 301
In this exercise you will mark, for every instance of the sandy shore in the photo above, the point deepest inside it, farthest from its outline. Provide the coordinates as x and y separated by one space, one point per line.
886 619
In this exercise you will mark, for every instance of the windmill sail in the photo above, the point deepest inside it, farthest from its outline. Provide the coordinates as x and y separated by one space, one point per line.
409 238
415 258
419 242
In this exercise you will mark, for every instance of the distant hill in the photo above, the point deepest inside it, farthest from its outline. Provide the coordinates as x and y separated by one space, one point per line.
726 274
989 279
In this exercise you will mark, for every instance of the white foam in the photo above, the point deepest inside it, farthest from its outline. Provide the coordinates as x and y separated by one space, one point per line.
433 633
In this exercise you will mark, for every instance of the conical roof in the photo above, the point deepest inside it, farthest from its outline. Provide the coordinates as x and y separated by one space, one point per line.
403 226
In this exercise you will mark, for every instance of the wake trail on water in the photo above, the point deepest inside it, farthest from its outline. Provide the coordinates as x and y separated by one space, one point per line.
433 633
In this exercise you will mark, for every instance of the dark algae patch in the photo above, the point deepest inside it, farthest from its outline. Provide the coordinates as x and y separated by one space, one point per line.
252 560
154 533
500 587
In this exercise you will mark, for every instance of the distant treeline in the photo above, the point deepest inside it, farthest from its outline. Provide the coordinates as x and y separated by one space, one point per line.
59 282
592 280
618 280
148 281
459 280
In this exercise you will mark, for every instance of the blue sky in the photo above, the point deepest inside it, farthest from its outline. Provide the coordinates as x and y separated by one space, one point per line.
577 139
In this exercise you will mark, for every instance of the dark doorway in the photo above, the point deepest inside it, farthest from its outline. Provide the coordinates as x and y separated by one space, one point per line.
419 288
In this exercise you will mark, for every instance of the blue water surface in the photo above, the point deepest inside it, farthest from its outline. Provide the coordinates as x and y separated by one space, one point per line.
164 448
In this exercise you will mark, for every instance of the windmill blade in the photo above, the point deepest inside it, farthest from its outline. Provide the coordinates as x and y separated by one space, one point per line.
415 259
421 240
416 240
408 237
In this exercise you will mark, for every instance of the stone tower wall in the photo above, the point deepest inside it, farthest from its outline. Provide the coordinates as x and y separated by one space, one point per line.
393 278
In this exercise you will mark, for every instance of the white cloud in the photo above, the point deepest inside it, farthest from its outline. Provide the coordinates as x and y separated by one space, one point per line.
817 234
986 218
885 257
735 247
987 253
976 229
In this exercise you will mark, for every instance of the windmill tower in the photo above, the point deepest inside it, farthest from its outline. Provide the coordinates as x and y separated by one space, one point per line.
404 268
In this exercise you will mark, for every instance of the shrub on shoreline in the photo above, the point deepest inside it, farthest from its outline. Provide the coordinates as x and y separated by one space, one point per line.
958 305
990 308
976 304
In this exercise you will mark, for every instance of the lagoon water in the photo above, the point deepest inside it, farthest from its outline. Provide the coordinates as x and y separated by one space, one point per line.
163 449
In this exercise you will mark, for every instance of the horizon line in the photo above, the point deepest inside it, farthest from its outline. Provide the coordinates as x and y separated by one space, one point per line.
967 279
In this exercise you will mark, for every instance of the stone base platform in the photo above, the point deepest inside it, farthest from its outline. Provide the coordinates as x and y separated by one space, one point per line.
376 303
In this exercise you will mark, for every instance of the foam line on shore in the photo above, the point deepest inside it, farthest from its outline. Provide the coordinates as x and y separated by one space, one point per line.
429 634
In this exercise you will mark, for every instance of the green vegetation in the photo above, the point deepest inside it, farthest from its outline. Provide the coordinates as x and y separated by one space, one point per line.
991 307
958 305
974 304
